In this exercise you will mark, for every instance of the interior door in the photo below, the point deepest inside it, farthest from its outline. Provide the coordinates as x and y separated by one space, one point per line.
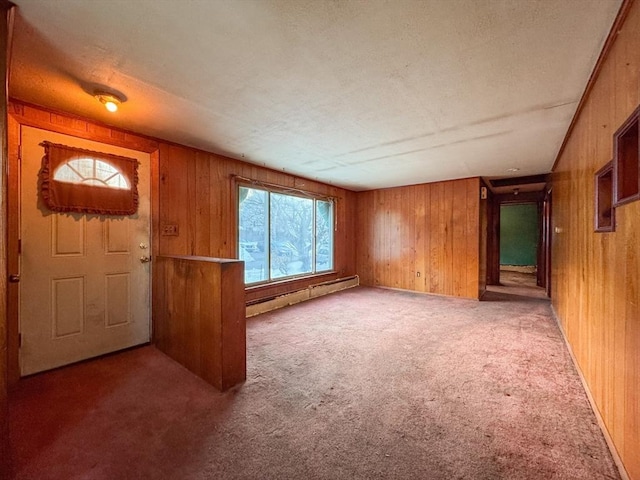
84 288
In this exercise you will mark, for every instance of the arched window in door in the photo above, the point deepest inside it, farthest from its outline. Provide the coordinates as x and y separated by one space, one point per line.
77 180
91 171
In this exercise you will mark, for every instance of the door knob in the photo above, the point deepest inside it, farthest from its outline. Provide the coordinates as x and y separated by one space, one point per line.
14 278
145 259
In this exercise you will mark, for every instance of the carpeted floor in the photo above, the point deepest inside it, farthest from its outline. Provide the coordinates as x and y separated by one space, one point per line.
365 384
518 283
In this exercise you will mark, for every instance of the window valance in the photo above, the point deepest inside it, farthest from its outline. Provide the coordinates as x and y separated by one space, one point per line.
78 180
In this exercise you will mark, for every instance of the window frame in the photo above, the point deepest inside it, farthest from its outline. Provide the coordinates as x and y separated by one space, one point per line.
293 192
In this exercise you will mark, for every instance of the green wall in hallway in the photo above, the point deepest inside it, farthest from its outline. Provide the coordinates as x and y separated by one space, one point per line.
518 234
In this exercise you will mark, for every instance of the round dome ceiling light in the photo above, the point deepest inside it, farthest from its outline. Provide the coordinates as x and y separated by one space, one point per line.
109 100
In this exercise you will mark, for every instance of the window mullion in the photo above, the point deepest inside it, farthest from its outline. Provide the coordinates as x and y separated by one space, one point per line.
314 239
268 248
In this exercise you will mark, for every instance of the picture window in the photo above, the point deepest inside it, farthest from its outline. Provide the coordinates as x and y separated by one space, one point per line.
281 235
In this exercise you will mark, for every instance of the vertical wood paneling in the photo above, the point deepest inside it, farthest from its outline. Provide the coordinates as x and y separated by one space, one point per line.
433 229
596 276
408 238
173 199
4 422
438 234
198 194
203 205
421 245
200 317
459 240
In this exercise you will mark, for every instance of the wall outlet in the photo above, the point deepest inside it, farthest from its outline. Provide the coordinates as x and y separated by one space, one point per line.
169 229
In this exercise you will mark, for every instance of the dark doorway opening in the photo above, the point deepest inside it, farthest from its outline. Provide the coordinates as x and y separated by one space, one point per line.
521 214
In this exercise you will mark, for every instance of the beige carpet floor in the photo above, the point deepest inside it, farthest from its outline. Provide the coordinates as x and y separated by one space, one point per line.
364 384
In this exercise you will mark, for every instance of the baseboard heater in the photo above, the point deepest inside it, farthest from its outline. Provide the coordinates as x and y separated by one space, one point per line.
264 305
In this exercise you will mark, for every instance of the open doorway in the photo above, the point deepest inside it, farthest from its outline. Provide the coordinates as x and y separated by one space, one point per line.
519 244
518 238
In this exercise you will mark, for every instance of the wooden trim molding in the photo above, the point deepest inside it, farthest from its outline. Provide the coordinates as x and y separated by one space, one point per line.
13 239
604 210
626 161
69 124
6 30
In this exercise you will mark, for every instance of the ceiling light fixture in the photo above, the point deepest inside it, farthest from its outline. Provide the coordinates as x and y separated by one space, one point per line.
513 169
109 100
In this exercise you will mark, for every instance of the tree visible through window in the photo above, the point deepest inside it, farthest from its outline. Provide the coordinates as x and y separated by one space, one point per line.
283 235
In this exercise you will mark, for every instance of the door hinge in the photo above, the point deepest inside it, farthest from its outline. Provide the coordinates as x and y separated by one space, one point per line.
20 340
19 246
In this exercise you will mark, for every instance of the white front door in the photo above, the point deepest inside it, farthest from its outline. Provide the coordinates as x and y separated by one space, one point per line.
84 290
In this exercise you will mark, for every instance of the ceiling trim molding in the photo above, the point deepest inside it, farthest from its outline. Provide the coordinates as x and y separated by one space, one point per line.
42 119
507 182
608 44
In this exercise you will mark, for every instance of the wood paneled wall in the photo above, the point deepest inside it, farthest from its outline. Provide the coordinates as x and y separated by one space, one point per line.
197 192
433 230
4 422
596 276
199 317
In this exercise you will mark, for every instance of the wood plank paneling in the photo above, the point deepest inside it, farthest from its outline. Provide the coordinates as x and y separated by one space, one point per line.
198 194
200 317
4 214
596 276
429 229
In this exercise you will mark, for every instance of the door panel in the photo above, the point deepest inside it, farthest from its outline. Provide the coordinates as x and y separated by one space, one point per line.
118 299
117 236
83 291
67 236
67 299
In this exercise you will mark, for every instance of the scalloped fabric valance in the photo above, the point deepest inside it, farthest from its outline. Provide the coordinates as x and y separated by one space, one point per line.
83 181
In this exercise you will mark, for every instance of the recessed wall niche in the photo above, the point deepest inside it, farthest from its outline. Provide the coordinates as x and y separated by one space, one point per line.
604 210
626 170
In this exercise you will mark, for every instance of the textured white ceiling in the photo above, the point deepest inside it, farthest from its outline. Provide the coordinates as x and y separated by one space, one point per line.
361 94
